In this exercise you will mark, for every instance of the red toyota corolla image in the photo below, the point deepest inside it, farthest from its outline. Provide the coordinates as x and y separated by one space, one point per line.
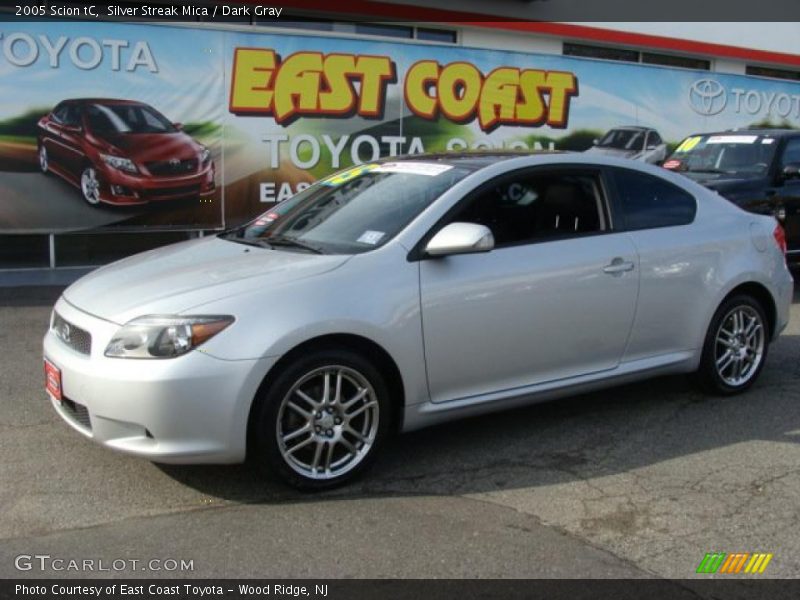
122 152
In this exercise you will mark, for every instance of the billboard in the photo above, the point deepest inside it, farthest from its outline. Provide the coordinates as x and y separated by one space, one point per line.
114 126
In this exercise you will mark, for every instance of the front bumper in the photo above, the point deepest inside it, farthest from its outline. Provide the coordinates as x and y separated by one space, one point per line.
119 187
190 409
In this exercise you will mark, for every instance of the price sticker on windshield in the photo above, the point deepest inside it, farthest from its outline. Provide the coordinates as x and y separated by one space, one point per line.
688 144
343 177
413 168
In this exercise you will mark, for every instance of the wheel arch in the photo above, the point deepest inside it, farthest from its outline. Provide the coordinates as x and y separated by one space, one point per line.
364 346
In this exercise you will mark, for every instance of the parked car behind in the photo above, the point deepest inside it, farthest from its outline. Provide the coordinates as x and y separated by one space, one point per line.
122 152
758 170
636 143
402 293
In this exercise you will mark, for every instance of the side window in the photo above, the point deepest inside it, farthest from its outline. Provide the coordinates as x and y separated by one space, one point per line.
71 115
537 205
59 112
791 153
649 202
654 139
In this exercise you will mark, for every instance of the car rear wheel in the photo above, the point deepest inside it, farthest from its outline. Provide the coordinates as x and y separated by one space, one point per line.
90 186
323 420
736 346
44 161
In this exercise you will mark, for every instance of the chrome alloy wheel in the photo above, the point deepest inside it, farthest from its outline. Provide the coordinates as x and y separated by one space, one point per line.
43 161
739 345
327 422
90 186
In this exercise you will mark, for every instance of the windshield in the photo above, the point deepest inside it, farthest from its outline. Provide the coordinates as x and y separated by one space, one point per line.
733 154
623 139
352 211
126 118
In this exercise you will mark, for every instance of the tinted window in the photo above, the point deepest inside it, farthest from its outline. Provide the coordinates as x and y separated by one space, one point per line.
791 154
71 115
534 206
127 118
654 139
648 201
59 112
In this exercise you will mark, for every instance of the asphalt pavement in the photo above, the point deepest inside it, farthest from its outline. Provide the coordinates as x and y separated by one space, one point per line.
637 481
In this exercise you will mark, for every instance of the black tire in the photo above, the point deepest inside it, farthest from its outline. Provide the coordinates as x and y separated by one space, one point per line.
265 449
708 375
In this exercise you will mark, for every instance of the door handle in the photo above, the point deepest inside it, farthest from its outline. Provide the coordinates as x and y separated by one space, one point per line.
617 266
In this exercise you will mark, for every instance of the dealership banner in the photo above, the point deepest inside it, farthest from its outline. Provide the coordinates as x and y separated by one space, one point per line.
118 126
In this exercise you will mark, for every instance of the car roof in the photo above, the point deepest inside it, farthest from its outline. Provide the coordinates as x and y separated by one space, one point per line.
755 131
101 101
473 159
632 128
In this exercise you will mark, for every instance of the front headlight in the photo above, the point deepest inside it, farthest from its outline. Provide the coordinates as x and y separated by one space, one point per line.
117 162
205 154
158 336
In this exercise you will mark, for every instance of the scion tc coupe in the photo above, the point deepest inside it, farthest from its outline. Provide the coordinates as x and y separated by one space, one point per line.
402 293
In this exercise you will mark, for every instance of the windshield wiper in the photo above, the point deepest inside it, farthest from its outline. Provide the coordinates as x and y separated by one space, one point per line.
282 240
719 171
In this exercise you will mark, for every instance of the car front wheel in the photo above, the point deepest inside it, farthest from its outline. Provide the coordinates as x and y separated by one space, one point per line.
736 346
44 161
323 419
90 186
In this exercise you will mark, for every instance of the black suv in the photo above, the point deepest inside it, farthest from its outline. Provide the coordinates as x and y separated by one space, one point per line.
757 169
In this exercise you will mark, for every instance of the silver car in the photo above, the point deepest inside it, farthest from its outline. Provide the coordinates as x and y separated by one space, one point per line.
402 293
634 142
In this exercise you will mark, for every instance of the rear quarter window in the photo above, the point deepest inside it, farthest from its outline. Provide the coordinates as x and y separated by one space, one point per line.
648 202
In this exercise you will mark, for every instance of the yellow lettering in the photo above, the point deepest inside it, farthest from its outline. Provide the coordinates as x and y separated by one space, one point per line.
253 69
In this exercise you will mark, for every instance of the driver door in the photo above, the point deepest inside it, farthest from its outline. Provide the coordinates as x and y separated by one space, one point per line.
554 299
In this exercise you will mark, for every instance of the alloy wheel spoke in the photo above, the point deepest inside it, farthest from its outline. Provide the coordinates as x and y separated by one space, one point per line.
317 456
299 410
724 361
337 398
300 445
361 409
297 433
361 393
329 456
314 404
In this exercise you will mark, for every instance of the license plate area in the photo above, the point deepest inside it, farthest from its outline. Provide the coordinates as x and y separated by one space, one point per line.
52 380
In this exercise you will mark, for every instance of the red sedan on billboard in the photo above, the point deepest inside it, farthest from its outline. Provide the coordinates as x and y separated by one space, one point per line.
122 152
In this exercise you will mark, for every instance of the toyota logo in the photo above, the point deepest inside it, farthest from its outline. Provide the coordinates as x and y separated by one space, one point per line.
66 332
174 162
707 97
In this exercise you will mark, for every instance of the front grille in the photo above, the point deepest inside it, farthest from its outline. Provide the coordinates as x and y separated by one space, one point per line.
165 168
171 192
73 336
77 413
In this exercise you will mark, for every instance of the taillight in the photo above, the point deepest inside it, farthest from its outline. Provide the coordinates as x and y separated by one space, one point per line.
780 237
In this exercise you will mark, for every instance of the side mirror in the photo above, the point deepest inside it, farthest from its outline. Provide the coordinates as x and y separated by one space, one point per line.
178 126
791 171
460 238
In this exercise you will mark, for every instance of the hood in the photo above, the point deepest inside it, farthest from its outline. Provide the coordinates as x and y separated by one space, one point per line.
726 184
147 147
618 152
177 278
